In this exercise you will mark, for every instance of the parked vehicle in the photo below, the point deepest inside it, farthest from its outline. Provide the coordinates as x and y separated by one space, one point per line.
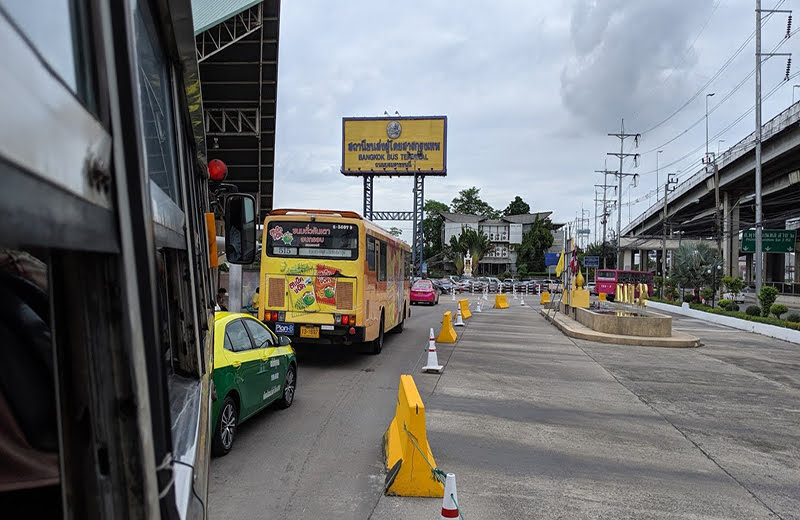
253 368
423 291
736 298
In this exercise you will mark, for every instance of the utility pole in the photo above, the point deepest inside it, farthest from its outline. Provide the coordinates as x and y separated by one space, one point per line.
620 174
604 221
672 180
759 256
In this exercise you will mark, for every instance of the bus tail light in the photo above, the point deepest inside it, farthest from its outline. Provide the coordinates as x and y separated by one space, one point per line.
345 319
271 316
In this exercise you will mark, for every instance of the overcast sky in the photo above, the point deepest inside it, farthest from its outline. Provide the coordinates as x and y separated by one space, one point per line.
530 90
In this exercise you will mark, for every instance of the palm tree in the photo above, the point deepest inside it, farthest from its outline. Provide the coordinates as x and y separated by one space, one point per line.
475 242
695 266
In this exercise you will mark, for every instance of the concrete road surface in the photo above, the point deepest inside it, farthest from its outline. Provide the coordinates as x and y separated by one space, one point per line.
535 425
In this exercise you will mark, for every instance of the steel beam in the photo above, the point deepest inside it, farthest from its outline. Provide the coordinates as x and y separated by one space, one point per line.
419 203
232 30
392 215
232 121
368 197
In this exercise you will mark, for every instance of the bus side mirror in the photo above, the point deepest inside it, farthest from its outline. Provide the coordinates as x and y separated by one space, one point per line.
240 228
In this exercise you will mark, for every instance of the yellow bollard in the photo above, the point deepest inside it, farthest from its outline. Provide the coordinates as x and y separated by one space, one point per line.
618 292
448 333
601 297
464 306
405 447
544 298
500 301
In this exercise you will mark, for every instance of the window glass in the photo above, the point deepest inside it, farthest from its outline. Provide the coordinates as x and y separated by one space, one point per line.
49 25
155 97
422 284
227 345
261 336
382 261
370 253
239 340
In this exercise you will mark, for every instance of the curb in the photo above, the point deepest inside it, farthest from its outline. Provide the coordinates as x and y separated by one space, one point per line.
573 329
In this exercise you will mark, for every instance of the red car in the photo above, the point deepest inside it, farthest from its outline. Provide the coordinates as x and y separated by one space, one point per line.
423 291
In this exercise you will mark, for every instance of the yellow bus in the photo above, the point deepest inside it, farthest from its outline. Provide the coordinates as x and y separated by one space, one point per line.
332 277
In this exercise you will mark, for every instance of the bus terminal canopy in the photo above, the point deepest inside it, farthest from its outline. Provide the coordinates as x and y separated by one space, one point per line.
237 50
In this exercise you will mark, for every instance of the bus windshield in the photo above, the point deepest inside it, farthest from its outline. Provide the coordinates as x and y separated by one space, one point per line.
312 240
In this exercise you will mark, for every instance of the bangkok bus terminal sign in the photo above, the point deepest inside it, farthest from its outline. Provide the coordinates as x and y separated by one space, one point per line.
394 146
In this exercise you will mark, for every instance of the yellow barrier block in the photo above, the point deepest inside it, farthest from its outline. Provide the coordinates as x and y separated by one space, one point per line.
405 445
464 305
601 297
544 298
579 298
500 301
448 333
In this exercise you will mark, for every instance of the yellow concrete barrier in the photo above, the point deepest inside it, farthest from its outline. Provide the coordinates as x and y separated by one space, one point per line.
601 296
448 333
544 298
405 446
500 301
464 305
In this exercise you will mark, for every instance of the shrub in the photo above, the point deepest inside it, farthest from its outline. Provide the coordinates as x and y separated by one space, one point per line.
753 310
777 309
725 304
689 298
766 298
707 294
793 318
733 307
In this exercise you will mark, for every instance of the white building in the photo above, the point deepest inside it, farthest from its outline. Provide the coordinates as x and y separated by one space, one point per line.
503 233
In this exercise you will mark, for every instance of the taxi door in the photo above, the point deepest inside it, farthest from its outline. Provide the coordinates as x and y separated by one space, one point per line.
271 369
247 362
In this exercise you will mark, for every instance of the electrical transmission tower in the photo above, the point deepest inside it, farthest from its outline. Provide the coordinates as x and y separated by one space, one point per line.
620 174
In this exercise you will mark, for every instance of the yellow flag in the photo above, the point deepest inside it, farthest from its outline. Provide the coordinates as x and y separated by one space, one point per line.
560 264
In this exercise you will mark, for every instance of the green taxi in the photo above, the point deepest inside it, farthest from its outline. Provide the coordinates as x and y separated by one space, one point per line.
253 368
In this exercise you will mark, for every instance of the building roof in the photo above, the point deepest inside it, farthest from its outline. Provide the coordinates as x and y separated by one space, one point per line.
208 13
461 217
464 218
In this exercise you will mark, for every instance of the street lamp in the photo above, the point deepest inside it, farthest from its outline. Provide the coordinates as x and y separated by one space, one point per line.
794 87
657 184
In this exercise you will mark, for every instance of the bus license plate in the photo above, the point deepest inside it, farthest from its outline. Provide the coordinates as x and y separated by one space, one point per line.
309 332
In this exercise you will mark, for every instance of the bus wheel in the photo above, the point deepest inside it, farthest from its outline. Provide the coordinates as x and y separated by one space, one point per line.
402 325
377 343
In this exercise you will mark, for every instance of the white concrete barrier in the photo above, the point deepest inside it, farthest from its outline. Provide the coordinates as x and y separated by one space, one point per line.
765 329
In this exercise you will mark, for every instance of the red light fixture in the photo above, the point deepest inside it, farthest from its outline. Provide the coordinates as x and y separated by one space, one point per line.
345 319
217 171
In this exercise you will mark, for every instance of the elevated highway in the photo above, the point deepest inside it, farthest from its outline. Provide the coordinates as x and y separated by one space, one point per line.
690 212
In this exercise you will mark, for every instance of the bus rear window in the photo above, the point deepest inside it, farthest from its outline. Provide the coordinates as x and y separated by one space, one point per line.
605 274
312 240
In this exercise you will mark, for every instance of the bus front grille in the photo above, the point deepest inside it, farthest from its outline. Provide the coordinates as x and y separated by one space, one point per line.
277 292
344 295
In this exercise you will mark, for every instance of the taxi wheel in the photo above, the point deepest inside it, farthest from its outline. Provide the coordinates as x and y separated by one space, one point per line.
227 423
377 343
289 387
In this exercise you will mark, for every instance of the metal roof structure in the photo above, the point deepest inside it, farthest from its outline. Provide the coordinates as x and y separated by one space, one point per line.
237 49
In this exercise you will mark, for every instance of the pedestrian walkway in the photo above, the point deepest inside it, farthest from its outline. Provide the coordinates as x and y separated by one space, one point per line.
534 427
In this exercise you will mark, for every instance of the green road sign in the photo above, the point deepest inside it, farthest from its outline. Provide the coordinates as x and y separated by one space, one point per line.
772 241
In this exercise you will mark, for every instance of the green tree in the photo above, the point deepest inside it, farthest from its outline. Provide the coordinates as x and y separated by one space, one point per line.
535 242
777 309
733 284
470 202
517 207
432 227
694 266
767 297
395 231
476 243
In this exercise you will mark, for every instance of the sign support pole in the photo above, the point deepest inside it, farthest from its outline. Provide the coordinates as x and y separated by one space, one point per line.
368 196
